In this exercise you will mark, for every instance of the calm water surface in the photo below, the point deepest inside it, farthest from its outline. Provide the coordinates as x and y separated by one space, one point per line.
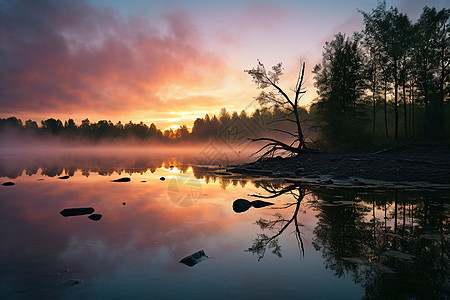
313 243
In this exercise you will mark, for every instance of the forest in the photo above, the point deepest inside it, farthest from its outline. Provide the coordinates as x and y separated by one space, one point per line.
387 84
229 127
389 81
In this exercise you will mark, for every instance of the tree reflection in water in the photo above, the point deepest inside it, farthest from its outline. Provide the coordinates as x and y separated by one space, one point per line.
392 243
279 224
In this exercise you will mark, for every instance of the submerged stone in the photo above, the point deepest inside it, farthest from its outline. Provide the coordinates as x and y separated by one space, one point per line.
70 282
124 179
162 178
95 217
194 259
8 183
64 177
329 181
79 211
241 205
260 203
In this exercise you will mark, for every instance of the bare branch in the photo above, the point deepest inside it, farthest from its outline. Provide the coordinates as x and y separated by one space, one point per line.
284 131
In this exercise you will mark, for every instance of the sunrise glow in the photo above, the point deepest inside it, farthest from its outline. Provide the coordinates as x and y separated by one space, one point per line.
167 62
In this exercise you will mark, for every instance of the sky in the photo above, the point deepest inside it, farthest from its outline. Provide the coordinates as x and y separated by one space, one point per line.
163 62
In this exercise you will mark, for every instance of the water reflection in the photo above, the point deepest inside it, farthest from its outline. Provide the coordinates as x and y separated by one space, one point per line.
342 243
64 165
102 164
393 243
279 223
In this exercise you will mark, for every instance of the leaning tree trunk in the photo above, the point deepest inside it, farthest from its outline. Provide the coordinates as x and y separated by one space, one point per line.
404 103
374 85
385 109
395 99
411 96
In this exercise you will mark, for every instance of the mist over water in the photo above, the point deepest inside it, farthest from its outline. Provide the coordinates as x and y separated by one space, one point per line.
56 156
351 244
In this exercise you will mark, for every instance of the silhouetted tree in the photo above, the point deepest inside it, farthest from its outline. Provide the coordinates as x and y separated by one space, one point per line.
70 128
52 126
431 57
182 133
277 97
389 29
340 85
372 74
10 123
31 126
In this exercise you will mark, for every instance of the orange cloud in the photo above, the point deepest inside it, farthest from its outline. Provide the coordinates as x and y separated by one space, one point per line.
65 56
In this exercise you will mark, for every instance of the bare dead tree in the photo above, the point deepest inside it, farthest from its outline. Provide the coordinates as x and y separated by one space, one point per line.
277 97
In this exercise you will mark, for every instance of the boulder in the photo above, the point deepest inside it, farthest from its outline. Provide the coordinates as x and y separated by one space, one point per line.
260 203
194 259
241 205
95 217
79 211
70 282
124 179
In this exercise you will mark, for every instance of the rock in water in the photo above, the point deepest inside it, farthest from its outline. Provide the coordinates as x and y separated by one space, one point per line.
162 178
260 203
8 183
64 177
124 179
124 203
70 282
68 212
95 217
241 205
194 259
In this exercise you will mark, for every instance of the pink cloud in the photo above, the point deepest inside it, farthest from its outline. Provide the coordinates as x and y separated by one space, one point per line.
70 56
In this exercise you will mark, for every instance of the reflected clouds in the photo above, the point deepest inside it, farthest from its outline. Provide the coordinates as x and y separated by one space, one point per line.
36 238
376 237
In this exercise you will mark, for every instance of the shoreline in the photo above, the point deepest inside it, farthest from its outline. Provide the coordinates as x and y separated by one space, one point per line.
402 167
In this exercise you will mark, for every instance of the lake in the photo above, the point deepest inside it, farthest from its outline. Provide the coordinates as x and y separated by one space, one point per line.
311 243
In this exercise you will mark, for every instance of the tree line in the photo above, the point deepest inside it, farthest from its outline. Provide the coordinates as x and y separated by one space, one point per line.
226 126
389 81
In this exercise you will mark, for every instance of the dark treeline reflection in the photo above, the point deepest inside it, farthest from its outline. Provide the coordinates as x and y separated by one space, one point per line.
106 165
393 243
